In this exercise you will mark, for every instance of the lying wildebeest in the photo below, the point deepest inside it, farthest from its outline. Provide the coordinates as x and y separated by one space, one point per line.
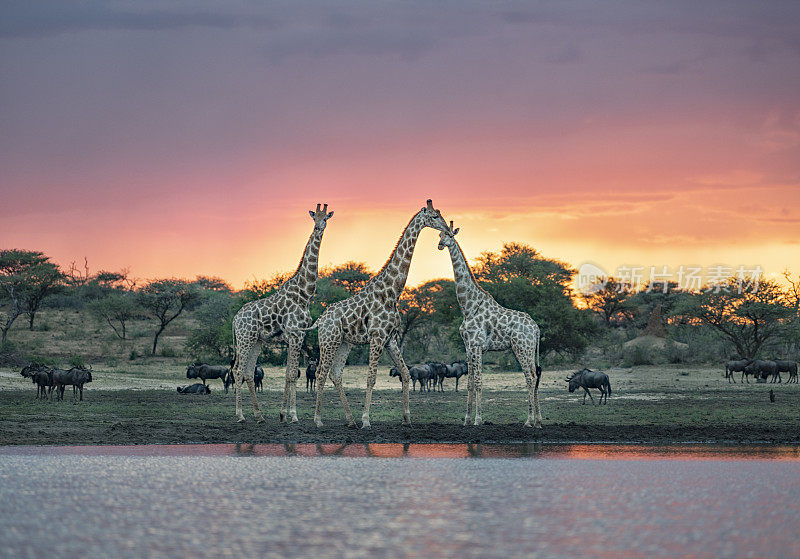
195 388
437 372
258 379
456 370
785 366
76 376
735 366
311 374
761 369
204 372
587 379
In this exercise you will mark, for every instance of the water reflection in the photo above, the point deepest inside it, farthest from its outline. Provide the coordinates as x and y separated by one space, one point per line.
433 450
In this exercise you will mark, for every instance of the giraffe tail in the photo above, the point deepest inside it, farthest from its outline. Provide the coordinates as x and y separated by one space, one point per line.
312 327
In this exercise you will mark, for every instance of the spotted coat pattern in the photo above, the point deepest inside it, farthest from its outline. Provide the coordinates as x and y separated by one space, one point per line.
283 316
371 317
488 326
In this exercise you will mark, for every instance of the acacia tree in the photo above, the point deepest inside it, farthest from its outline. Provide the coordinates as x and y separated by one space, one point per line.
609 299
26 277
520 278
165 300
746 318
350 275
116 310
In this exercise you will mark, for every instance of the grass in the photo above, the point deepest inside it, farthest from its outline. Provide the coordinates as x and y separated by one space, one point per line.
134 401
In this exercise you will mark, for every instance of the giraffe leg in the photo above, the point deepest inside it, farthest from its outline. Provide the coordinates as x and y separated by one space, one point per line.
476 360
290 388
325 362
527 361
394 352
252 388
375 350
336 376
470 390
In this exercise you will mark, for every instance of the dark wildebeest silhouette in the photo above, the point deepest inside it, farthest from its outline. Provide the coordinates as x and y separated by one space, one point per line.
419 373
437 371
41 376
587 379
785 366
456 370
204 372
762 369
311 374
735 366
196 388
258 379
76 376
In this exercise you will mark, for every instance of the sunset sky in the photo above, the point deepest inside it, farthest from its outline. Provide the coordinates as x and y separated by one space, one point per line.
191 138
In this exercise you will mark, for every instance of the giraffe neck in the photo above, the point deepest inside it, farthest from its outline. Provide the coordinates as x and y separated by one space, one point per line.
305 277
394 273
468 292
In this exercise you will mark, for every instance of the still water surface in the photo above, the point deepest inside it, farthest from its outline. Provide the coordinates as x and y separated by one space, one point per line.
340 501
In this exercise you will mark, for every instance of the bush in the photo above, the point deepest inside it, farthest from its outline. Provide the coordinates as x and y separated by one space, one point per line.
133 354
77 361
167 351
636 356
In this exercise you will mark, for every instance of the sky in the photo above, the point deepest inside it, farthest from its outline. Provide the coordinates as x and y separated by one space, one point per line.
179 139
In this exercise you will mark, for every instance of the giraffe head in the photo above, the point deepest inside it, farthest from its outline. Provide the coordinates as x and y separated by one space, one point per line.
431 217
446 238
320 217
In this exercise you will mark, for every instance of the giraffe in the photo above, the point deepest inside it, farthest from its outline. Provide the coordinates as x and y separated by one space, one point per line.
371 317
488 326
282 316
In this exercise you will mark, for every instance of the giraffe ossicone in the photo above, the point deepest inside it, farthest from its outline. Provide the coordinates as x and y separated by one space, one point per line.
370 316
283 316
488 326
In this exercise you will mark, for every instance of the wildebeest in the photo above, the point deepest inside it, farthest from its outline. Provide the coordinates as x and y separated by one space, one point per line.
456 370
419 373
196 388
785 366
258 379
76 376
587 379
735 366
761 369
204 371
41 376
437 373
311 374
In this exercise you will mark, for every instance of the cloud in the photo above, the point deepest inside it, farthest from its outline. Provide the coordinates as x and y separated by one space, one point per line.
26 19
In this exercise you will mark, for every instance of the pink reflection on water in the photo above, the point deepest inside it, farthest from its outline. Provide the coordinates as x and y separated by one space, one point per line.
432 450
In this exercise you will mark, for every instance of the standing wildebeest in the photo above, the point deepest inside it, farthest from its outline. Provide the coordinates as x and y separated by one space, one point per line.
258 379
784 366
195 388
41 376
456 370
735 366
203 372
761 369
311 374
438 371
76 376
587 379
418 373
